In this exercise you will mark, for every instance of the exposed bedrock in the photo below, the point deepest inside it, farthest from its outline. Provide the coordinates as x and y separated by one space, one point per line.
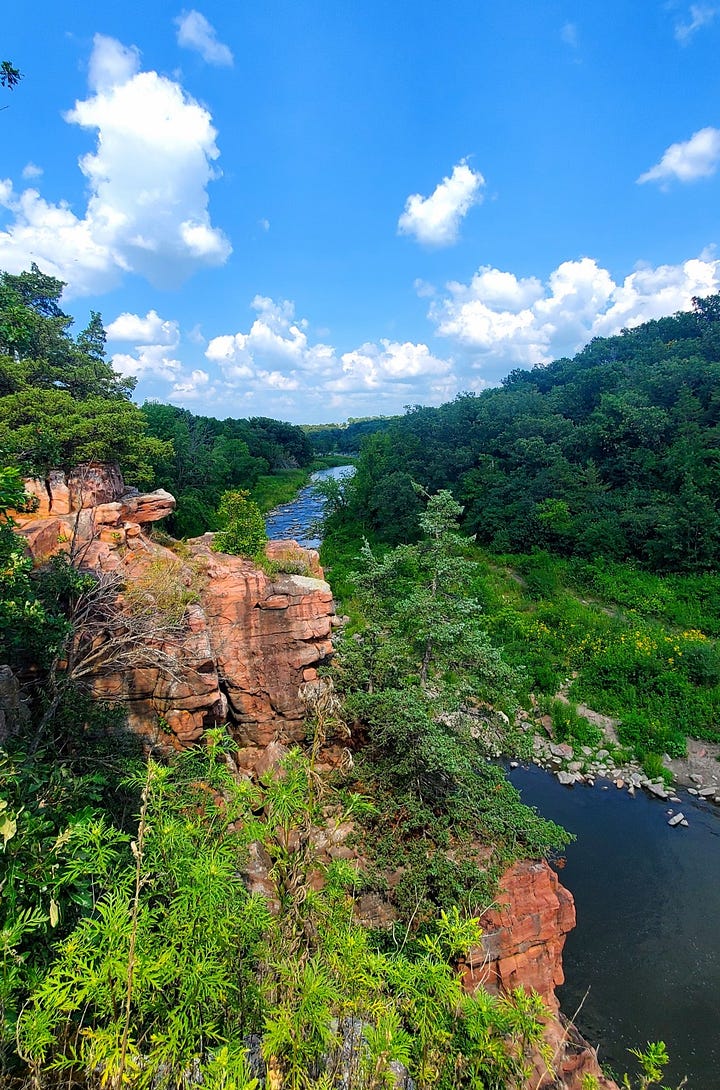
247 643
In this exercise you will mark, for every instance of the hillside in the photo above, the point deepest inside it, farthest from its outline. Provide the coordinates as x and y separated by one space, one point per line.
613 453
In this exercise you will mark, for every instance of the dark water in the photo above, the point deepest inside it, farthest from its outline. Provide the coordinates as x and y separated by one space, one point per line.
647 941
298 520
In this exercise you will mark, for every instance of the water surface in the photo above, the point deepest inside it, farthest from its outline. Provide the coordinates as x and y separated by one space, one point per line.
647 941
299 520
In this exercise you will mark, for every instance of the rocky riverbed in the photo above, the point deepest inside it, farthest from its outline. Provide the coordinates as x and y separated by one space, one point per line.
607 763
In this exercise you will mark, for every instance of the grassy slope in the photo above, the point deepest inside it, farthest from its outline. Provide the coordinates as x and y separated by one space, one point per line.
642 646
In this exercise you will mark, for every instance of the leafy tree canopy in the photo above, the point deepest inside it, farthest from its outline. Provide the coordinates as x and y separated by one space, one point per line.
61 402
612 453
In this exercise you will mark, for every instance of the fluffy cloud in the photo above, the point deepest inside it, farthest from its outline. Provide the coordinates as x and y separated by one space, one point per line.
374 367
31 171
150 329
274 345
700 15
277 357
435 220
156 341
147 211
499 320
195 32
192 387
697 157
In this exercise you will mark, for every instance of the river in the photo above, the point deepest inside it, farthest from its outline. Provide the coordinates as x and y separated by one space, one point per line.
299 519
647 941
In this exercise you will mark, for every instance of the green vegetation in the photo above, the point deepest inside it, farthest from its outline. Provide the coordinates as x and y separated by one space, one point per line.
345 439
591 489
10 76
208 457
282 487
61 403
174 966
242 530
419 677
612 453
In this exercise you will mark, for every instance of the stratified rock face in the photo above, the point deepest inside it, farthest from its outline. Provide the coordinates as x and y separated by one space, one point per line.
86 486
267 636
247 645
523 937
91 509
522 944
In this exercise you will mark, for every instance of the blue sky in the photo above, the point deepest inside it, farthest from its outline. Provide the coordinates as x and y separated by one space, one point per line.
316 210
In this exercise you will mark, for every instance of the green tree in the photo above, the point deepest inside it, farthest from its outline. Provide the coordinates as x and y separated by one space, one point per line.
10 76
243 527
61 402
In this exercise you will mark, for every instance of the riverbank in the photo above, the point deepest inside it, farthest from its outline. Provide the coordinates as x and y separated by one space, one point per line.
284 485
571 763
643 962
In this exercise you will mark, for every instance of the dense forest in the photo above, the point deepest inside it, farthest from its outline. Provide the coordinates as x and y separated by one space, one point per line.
613 453
346 438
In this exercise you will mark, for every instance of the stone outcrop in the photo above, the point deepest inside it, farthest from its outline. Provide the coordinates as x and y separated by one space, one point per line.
90 512
522 944
248 641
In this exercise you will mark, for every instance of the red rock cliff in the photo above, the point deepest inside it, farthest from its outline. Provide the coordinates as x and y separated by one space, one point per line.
247 644
522 944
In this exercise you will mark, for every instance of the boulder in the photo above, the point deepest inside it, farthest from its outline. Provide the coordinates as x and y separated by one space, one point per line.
149 506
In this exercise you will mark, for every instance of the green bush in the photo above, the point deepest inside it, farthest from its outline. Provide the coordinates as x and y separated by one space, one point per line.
570 726
243 527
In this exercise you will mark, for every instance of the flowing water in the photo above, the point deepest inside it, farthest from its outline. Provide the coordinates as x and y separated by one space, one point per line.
647 941
299 519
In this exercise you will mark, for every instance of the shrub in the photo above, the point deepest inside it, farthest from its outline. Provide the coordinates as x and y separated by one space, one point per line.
243 527
570 726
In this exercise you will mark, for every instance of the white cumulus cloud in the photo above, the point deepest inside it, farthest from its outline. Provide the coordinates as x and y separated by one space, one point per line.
31 171
195 32
147 211
695 158
435 220
276 358
499 320
193 386
150 329
155 344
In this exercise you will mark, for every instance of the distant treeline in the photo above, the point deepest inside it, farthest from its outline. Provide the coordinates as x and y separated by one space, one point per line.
209 456
615 452
346 438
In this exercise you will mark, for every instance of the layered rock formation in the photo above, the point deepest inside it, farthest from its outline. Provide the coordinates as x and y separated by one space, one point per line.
247 642
522 944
